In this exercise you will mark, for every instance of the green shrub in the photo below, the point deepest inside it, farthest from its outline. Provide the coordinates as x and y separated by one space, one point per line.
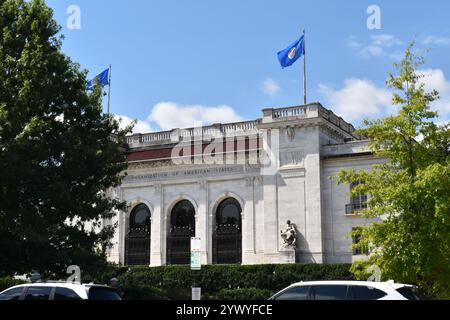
144 293
223 281
244 294
9 282
105 275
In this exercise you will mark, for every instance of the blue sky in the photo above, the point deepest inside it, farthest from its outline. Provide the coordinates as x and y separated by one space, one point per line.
176 62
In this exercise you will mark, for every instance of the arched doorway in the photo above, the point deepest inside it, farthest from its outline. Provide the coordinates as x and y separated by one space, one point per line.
182 228
137 240
227 236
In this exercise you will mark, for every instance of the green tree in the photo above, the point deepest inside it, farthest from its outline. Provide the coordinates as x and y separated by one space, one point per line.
410 190
59 153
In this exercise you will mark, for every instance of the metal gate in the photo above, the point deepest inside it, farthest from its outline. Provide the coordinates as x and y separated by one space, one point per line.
137 247
227 244
179 245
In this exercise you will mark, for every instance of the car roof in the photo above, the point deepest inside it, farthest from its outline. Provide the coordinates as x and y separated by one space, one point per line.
352 282
61 284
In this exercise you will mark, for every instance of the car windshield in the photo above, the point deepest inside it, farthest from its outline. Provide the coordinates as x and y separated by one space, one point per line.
100 293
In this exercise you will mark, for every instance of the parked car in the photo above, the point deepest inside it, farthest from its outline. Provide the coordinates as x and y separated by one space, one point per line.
347 290
60 291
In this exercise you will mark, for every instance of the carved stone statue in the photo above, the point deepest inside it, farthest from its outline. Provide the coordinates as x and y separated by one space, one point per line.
289 236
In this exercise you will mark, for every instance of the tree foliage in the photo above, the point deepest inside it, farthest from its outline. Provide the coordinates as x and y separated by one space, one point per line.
410 190
57 154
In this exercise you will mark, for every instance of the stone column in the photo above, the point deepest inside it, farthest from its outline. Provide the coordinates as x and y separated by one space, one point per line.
248 224
271 145
270 219
121 229
158 234
122 233
202 223
114 252
313 227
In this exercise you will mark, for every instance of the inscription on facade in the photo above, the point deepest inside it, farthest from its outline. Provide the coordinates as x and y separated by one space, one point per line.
183 174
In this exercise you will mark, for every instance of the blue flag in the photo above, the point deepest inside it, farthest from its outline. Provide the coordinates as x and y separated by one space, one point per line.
295 51
101 79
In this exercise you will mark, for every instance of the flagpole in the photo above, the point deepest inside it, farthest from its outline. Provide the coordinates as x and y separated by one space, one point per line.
109 88
304 68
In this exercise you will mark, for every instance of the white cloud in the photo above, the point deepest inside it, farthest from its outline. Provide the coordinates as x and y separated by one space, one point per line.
434 79
435 40
170 115
374 51
382 45
386 40
270 87
357 99
353 43
397 55
140 127
388 45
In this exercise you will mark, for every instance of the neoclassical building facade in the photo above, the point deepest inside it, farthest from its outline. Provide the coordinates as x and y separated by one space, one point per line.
236 185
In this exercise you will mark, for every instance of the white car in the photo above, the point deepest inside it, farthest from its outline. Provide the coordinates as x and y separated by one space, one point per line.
60 291
347 290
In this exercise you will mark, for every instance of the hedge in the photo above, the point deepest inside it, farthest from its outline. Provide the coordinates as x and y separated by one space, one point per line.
105 275
243 294
8 282
145 292
224 282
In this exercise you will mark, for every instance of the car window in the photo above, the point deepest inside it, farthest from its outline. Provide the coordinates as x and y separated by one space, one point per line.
296 293
38 293
12 294
66 294
98 293
409 293
329 292
366 293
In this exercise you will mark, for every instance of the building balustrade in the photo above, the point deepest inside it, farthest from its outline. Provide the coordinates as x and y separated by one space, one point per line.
238 129
177 135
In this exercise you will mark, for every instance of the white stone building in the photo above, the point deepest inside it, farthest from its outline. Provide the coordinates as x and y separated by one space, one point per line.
216 183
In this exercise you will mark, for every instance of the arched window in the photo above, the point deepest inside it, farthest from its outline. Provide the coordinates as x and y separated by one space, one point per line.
137 240
182 228
227 236
140 218
183 215
229 213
